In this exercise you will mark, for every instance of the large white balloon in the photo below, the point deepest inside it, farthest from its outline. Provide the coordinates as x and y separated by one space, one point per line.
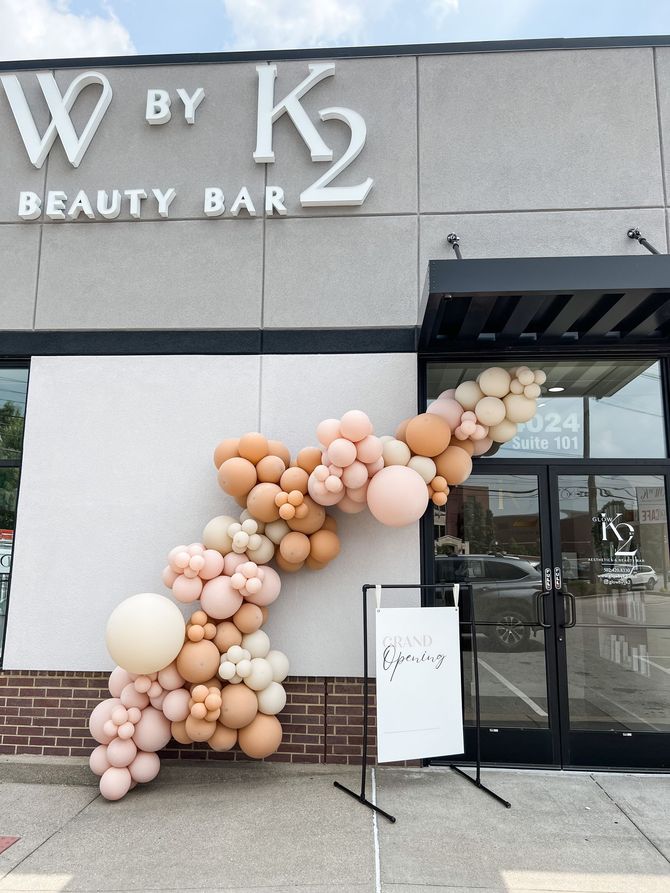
279 663
145 633
272 699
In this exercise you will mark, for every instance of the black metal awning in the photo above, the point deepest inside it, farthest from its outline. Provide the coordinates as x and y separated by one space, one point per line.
520 303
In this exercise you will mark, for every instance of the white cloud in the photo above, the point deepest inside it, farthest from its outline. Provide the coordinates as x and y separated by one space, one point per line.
440 9
45 29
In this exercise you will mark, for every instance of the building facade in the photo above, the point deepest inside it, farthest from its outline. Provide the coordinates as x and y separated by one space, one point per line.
195 248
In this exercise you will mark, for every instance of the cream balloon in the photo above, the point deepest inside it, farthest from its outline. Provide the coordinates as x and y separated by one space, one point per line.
495 381
490 411
279 663
261 674
272 699
277 530
265 551
215 535
257 644
145 633
503 431
424 466
519 408
468 394
395 452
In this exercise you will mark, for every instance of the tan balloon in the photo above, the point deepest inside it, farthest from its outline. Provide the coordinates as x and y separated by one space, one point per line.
223 738
248 619
423 466
395 452
278 448
237 476
308 458
401 430
261 737
532 391
199 729
454 465
264 553
198 661
287 566
261 502
540 376
294 479
239 705
516 387
312 521
294 547
227 635
525 375
178 730
330 523
490 410
227 449
519 408
276 531
270 469
468 394
324 546
494 381
315 565
253 446
503 432
427 434
466 445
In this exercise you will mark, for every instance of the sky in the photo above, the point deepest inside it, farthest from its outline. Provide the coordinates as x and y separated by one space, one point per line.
41 29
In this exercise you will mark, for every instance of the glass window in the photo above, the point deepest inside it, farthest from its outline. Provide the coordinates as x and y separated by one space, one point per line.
604 409
13 389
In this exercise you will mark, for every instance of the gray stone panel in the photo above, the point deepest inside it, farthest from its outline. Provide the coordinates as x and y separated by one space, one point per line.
16 171
383 91
339 272
663 87
160 275
561 129
19 250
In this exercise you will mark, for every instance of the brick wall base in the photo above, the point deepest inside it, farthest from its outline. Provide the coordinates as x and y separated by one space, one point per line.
46 712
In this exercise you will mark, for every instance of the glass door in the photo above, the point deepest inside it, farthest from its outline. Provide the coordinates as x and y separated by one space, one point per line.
610 542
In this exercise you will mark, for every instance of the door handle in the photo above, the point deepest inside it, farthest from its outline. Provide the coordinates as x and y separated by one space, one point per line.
573 610
539 609
558 579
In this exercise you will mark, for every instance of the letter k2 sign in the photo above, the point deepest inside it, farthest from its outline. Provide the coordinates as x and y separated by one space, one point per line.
60 106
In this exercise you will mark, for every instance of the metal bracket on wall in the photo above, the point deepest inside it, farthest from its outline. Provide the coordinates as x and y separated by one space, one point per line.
454 241
634 233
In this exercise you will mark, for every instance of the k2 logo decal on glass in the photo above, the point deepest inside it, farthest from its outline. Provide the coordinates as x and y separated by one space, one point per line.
622 531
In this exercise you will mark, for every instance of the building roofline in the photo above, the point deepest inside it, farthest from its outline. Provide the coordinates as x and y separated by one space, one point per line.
421 49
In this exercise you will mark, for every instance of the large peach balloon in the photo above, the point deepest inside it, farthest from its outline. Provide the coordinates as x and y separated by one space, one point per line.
198 661
219 598
519 408
503 432
153 730
270 469
312 521
253 446
261 737
355 425
397 495
495 381
490 411
454 465
324 546
223 738
326 431
278 448
294 479
468 394
467 445
178 730
248 618
308 458
227 449
145 632
237 476
261 502
199 729
294 547
239 706
427 434
369 449
288 567
482 446
449 410
227 634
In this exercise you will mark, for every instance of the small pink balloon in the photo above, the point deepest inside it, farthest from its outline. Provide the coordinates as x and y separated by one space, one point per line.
187 590
110 729
254 586
232 561
350 506
189 573
134 715
374 467
449 394
219 600
144 767
142 684
333 484
169 677
197 562
195 549
449 410
153 730
355 425
118 679
98 760
319 493
127 730
335 470
369 449
359 494
130 697
269 590
355 475
212 564
169 576
181 560
238 580
157 702
115 783
480 432
119 716
121 752
327 431
175 705
482 446
342 452
321 472
156 690
397 496
172 554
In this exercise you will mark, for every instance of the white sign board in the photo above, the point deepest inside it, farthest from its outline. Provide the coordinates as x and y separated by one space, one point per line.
419 711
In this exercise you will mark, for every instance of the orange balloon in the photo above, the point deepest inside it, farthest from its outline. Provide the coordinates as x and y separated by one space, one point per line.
178 730
315 565
214 683
266 613
227 449
261 502
253 447
199 617
261 737
294 547
324 545
223 738
199 729
312 521
227 634
466 445
198 661
237 476
277 448
288 566
294 479
427 434
270 469
402 428
239 705
439 499
330 523
308 458
454 465
248 619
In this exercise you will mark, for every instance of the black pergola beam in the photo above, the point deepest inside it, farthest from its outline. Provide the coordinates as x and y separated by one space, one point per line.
623 307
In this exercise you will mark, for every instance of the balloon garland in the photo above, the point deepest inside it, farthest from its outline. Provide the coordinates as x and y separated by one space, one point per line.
215 678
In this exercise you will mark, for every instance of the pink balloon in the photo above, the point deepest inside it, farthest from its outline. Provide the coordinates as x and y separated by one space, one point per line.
130 697
110 729
327 431
115 783
134 714
142 684
98 760
213 564
355 425
369 449
187 590
449 394
374 467
359 494
350 507
102 713
157 702
169 576
269 590
449 410
397 495
175 705
355 475
152 731
320 494
144 767
169 677
482 446
219 599
121 752
342 452
232 561
118 679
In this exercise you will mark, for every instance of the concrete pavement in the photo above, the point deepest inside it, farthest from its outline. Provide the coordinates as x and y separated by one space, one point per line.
270 828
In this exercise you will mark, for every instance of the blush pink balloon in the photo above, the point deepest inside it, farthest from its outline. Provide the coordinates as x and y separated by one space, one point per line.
102 714
98 760
169 677
319 492
270 589
358 494
169 576
351 507
212 564
482 446
369 449
449 394
232 561
219 599
115 783
118 679
342 452
449 410
327 431
145 767
187 590
153 731
130 697
355 425
355 475
126 729
397 496
121 752
374 467
175 705
157 702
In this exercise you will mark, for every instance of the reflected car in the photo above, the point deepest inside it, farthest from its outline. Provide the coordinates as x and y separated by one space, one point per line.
642 576
505 592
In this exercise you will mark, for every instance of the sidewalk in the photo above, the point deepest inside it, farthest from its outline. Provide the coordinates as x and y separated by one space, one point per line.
270 828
